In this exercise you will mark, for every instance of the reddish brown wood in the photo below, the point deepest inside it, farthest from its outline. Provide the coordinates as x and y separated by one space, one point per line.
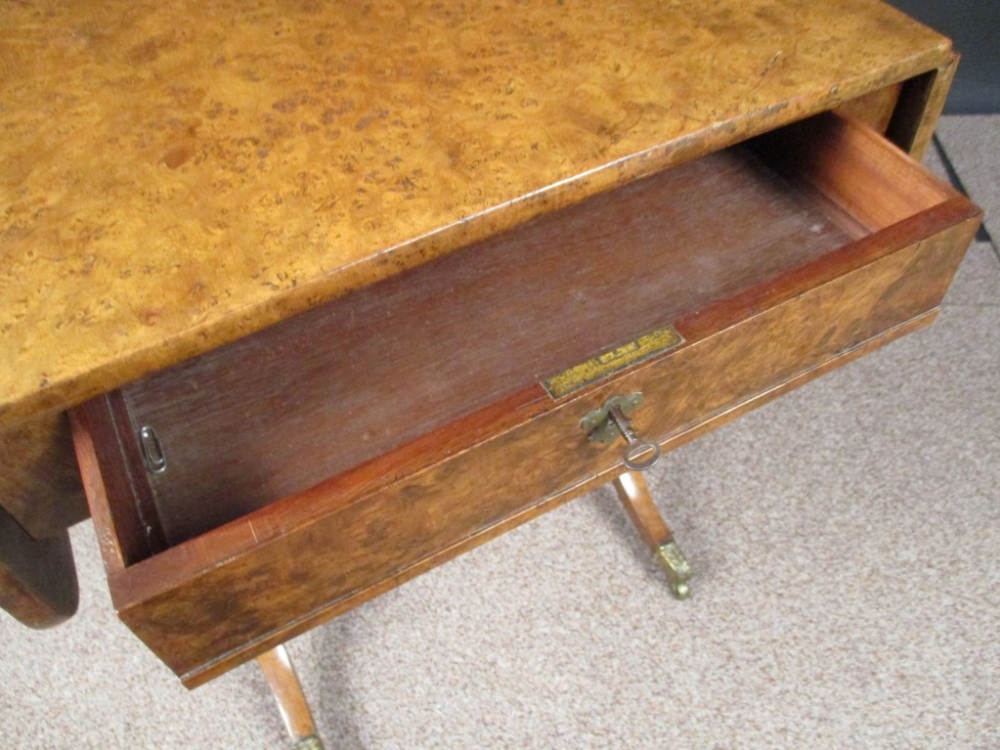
137 531
209 603
275 414
379 536
284 683
855 174
639 506
242 427
443 555
329 390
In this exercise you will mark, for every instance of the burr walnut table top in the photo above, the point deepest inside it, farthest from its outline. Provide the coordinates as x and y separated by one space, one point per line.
174 176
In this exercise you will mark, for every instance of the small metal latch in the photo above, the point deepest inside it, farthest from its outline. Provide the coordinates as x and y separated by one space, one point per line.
604 425
152 451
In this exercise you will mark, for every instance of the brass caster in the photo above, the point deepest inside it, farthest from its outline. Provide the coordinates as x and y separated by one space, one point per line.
676 567
312 742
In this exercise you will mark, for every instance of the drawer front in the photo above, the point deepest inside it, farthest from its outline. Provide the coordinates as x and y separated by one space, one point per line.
202 622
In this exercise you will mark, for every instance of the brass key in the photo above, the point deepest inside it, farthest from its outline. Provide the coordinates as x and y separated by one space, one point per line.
605 424
636 448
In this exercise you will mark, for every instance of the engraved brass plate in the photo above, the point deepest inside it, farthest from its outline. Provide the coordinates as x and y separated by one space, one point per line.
612 361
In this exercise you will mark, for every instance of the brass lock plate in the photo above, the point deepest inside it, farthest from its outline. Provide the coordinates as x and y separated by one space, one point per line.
599 426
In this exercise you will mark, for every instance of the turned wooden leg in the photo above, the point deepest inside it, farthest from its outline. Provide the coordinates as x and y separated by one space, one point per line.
292 703
638 503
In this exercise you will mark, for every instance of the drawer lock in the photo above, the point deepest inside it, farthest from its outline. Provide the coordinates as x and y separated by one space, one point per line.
604 425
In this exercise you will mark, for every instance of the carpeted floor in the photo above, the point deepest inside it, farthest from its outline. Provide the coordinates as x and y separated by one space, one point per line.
846 548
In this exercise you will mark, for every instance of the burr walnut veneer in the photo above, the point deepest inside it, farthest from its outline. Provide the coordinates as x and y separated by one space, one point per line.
327 289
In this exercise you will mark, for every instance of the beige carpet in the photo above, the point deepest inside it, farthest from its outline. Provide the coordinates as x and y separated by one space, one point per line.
846 547
970 142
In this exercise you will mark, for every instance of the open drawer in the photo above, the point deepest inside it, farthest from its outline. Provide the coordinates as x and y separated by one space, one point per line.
253 492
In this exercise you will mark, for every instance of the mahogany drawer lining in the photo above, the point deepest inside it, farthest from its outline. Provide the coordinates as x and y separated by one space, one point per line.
324 392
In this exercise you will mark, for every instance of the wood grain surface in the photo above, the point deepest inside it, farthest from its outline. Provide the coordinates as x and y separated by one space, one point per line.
174 176
280 411
326 391
209 603
215 610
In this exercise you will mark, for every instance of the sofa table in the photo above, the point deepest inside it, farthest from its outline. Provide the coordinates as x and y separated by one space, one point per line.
316 296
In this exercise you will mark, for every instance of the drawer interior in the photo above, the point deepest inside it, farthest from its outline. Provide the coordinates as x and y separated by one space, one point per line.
246 425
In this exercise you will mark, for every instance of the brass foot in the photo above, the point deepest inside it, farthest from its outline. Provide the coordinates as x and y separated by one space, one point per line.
309 743
639 505
677 568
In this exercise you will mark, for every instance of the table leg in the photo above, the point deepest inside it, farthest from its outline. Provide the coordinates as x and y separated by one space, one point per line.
284 683
638 503
37 576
